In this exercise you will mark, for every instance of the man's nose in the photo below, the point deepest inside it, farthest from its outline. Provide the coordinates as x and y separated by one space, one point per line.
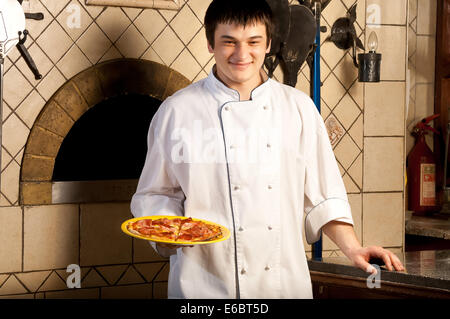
241 51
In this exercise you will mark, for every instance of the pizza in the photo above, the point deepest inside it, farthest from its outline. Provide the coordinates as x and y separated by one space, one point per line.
175 229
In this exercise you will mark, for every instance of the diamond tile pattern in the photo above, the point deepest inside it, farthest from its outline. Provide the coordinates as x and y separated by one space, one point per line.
74 36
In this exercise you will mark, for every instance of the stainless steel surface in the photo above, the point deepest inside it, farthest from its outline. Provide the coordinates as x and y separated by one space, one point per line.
93 191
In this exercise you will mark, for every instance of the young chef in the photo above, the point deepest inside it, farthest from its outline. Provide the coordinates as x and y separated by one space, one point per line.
252 154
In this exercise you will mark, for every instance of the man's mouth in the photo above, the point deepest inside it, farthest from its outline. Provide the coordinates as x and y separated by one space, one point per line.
240 65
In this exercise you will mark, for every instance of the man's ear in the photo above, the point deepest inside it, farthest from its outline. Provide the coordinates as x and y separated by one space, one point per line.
269 46
210 49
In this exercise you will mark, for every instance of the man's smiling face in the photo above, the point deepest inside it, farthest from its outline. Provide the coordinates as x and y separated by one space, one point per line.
239 53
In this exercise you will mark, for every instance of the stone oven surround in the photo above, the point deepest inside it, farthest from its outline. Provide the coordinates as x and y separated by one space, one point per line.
68 104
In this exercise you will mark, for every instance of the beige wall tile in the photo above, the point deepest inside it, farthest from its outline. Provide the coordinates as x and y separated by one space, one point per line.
356 171
392 45
347 111
385 109
187 65
412 7
334 11
383 219
332 91
346 151
50 237
15 134
132 44
131 276
13 79
33 280
56 38
111 54
143 291
10 182
186 24
102 241
151 24
132 13
383 164
113 22
357 131
393 12
167 46
74 19
11 239
199 7
93 293
149 270
425 59
94 43
426 16
199 48
53 282
52 82
30 108
55 7
424 101
12 286
73 62
93 279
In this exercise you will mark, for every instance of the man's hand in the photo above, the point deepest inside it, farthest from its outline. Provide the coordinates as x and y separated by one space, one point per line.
361 256
344 237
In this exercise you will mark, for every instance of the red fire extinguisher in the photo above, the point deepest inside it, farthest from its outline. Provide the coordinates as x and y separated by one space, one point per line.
422 171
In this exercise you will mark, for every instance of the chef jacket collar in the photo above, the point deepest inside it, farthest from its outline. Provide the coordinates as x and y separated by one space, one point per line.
225 94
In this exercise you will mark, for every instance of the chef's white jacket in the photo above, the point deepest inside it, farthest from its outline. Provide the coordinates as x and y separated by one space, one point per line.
264 168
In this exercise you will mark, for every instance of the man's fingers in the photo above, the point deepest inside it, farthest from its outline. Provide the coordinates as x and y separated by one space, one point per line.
364 265
396 262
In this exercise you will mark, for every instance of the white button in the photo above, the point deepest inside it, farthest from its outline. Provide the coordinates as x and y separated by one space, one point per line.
231 146
226 108
268 145
267 268
241 229
269 186
269 227
265 107
236 187
243 271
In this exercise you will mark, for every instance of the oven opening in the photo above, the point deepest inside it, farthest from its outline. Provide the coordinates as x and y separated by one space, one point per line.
103 154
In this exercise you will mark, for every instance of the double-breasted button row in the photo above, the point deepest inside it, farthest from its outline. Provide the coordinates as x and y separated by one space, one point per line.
244 271
227 108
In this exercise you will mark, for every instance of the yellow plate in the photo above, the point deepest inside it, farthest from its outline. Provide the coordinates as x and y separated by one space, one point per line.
225 231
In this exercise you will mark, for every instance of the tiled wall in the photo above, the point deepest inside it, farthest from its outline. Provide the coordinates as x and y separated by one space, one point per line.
421 64
40 241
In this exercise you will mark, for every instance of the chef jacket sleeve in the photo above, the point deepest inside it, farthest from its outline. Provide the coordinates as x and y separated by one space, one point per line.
158 191
325 194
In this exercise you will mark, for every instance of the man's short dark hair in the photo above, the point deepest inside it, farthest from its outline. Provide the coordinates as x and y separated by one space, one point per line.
240 12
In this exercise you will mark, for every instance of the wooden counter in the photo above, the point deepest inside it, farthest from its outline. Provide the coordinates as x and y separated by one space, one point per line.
427 275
